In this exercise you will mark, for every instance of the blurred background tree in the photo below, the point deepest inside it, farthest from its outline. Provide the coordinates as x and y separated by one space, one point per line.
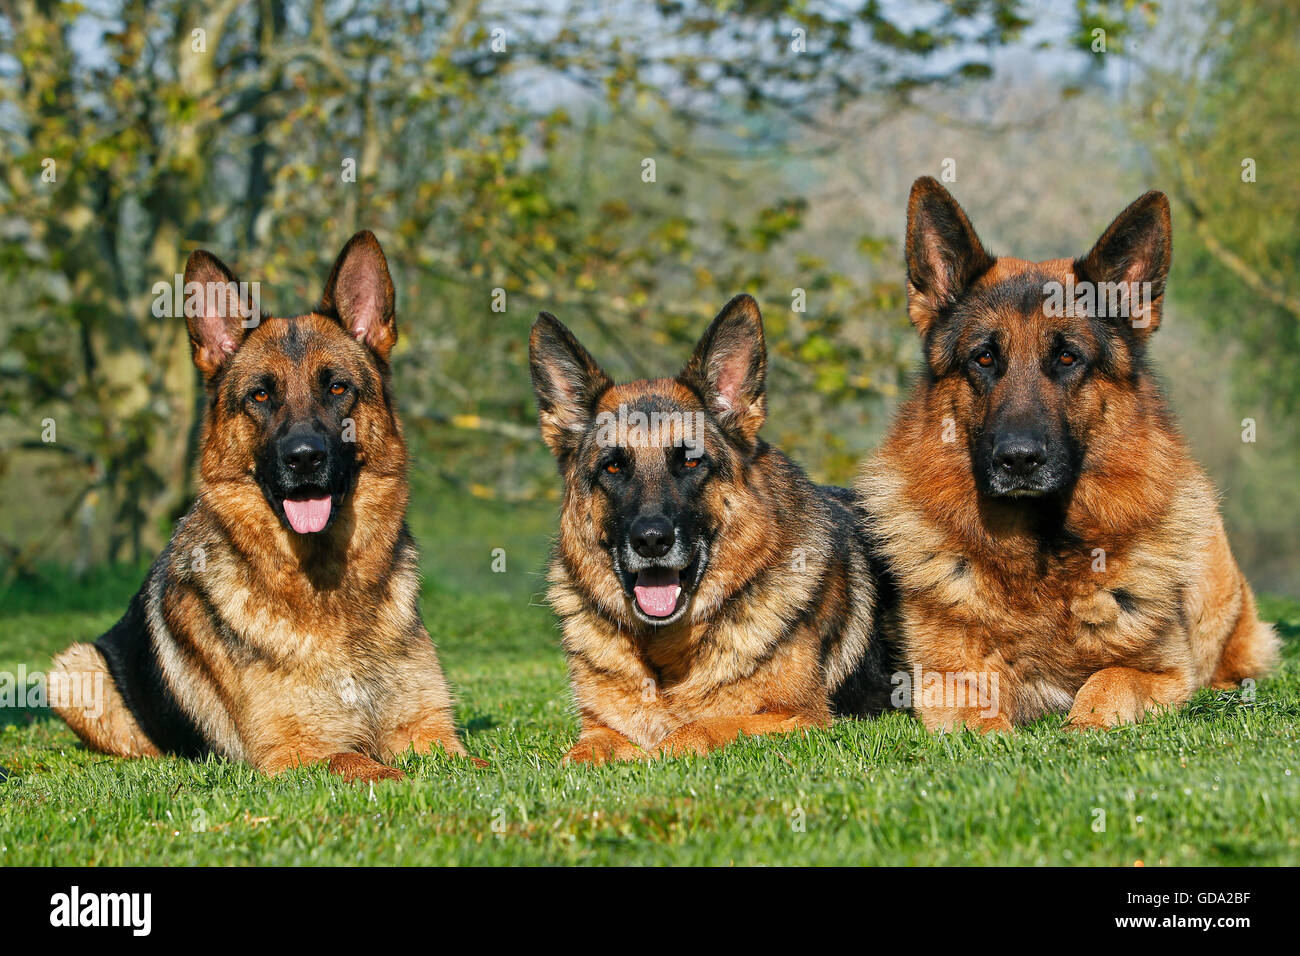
499 150
1219 113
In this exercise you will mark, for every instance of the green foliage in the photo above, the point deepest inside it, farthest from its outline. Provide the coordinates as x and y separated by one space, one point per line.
1221 122
1215 122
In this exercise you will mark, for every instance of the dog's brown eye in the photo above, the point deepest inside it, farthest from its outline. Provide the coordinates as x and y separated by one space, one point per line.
613 468
338 388
1068 358
984 359
261 395
691 463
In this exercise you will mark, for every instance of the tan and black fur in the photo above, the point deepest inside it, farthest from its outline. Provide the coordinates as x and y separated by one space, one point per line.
774 626
252 640
1034 500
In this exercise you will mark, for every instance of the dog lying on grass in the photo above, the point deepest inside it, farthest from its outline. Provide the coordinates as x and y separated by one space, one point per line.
705 586
281 625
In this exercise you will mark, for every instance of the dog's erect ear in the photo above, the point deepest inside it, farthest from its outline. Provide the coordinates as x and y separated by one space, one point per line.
1133 254
360 291
567 382
215 312
944 256
729 368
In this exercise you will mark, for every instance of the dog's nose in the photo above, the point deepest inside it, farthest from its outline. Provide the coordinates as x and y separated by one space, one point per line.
652 537
304 455
1020 455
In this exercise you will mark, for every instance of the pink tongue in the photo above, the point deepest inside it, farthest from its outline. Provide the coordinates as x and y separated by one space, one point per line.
309 515
656 591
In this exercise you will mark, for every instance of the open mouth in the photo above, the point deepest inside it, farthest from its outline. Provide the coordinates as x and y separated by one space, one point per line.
660 594
657 591
306 503
308 515
309 510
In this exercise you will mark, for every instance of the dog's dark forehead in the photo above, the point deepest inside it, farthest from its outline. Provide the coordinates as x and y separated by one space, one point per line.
650 395
1016 302
664 403
1019 293
292 342
298 348
283 343
305 335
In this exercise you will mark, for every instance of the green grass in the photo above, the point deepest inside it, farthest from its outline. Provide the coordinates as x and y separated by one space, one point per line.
1217 783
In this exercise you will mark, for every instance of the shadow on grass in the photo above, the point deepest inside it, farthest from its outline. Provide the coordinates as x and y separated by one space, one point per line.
55 589
478 724
24 716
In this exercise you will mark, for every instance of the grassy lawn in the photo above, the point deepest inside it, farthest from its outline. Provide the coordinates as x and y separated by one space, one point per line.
1218 783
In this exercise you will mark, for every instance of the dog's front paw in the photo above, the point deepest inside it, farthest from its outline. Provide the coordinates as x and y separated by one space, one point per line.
1124 695
998 724
690 739
1101 715
358 768
598 747
951 719
1083 722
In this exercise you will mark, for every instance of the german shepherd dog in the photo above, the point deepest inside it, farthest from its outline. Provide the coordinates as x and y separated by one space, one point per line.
1046 525
280 626
705 586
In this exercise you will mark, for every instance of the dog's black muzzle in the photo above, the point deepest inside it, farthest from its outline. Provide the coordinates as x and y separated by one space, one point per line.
306 467
1022 463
